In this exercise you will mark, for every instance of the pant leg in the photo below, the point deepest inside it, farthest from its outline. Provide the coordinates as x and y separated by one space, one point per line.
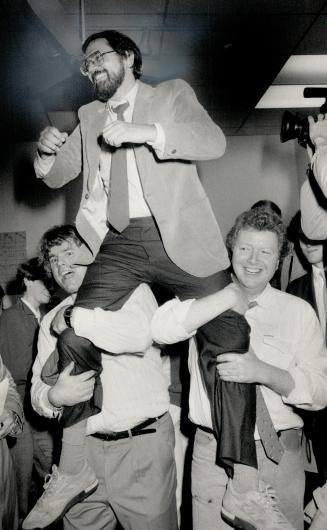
8 492
86 357
43 444
208 484
181 443
21 449
289 491
137 483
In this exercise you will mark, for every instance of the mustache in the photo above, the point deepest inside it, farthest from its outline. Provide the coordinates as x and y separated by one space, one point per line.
96 72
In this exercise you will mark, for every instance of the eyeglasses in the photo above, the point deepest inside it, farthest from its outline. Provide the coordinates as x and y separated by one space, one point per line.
95 59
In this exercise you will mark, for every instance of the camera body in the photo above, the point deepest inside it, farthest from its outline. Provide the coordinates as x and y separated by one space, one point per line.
294 126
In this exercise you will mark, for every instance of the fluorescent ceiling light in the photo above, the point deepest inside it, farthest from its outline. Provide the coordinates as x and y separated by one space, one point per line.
299 72
303 69
288 97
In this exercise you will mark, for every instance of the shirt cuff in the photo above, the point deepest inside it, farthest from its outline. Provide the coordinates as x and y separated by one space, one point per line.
160 141
301 395
82 322
42 166
18 428
320 150
50 410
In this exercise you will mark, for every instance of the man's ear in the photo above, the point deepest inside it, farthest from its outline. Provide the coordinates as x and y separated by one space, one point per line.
130 59
26 283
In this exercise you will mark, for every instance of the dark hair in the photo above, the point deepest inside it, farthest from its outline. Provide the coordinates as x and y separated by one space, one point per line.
295 234
33 269
260 219
122 45
55 236
2 293
265 203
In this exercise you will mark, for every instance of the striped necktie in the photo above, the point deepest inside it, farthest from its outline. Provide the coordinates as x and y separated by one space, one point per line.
118 204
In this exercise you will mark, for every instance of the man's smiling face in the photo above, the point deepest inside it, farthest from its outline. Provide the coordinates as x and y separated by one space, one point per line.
61 259
255 259
108 77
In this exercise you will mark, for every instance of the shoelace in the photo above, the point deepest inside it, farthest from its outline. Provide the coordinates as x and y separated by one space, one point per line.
271 502
50 483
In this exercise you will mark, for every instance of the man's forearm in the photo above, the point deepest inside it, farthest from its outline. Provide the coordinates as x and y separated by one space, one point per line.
205 309
277 379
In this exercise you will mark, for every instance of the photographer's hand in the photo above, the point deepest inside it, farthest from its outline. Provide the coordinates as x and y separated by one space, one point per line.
318 130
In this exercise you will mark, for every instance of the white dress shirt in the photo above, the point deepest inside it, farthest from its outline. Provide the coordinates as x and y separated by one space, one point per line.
135 387
285 332
319 285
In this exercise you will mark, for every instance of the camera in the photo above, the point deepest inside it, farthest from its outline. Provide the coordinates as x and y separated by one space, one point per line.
295 125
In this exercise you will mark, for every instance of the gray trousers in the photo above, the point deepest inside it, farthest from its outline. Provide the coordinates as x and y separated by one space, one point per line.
137 483
209 480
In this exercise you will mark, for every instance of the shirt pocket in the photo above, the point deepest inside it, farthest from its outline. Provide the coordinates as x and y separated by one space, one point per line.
278 350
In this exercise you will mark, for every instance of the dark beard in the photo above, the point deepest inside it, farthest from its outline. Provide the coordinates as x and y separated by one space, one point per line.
106 88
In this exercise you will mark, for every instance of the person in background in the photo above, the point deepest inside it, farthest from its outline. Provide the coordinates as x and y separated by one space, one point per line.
313 196
312 288
18 335
270 205
287 360
128 449
11 425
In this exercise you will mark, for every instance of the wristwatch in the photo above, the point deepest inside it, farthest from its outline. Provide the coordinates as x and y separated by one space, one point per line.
67 315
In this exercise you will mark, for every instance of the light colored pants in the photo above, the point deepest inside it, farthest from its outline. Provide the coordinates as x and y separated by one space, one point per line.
32 447
8 496
181 442
209 481
137 483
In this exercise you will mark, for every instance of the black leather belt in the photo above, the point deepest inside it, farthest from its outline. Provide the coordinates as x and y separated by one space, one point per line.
135 431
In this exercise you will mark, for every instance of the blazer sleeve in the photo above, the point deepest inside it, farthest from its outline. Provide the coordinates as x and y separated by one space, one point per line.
190 133
68 163
13 401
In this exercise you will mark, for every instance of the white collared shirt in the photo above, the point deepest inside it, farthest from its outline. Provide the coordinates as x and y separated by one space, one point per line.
285 332
319 285
135 385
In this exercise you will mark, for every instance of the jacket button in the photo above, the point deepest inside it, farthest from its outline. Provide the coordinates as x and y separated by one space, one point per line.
173 151
86 196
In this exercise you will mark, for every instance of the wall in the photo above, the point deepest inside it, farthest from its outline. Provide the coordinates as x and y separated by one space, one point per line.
253 168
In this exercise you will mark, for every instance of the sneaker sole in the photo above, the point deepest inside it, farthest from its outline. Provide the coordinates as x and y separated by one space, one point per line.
78 498
236 521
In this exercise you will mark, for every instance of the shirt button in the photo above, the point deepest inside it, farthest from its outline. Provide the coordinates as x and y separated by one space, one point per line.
86 196
173 151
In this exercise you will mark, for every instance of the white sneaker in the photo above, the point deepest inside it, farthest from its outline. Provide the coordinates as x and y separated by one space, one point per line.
254 510
61 491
